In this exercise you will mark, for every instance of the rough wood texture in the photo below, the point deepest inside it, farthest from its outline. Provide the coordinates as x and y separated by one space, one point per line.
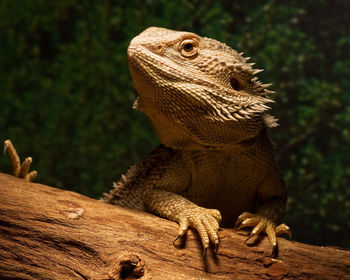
47 233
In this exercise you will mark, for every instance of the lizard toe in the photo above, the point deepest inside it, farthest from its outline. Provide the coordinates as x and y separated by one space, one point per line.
25 167
15 160
212 228
244 216
283 229
183 227
249 222
31 176
215 214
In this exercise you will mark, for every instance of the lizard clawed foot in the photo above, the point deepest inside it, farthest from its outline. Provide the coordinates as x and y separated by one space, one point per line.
19 170
263 224
205 221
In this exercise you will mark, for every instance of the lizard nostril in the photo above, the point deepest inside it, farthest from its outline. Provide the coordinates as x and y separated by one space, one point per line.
159 48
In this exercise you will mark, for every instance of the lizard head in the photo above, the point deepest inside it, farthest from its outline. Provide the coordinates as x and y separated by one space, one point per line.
198 92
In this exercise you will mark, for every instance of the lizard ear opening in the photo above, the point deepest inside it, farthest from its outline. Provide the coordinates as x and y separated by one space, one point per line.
235 84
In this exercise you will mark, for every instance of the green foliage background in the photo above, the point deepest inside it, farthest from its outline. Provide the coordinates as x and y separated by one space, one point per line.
66 94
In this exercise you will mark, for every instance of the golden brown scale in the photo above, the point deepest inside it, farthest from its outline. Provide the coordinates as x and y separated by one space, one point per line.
216 163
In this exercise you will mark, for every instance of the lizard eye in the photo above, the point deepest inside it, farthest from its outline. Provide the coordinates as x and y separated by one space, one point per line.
188 48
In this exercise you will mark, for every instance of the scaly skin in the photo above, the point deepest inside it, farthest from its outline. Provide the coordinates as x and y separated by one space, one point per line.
215 165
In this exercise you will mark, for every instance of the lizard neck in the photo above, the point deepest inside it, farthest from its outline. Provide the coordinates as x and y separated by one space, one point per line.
205 135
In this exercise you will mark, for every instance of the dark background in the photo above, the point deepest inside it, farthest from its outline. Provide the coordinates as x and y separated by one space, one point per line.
66 93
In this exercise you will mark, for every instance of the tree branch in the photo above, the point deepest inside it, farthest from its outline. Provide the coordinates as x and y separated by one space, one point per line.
48 233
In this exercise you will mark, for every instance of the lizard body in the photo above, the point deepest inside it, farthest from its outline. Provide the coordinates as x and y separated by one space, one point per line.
216 161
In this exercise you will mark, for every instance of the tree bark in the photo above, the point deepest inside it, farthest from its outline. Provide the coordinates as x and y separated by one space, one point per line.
48 233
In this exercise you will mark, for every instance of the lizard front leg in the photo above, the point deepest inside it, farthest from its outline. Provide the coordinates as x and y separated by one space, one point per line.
187 214
19 170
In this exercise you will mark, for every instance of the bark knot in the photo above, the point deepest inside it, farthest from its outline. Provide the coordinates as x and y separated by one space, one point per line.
131 266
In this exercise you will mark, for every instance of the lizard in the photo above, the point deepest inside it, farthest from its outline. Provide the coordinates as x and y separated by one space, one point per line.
215 165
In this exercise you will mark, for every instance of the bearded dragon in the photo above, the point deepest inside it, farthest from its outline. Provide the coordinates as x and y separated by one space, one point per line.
215 166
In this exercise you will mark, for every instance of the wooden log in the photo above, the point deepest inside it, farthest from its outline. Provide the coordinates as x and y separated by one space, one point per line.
48 233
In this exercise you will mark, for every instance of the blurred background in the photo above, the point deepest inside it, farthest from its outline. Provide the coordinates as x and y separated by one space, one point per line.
66 94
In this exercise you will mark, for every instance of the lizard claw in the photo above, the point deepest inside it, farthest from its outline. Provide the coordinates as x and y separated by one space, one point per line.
216 248
205 221
20 171
262 224
205 252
